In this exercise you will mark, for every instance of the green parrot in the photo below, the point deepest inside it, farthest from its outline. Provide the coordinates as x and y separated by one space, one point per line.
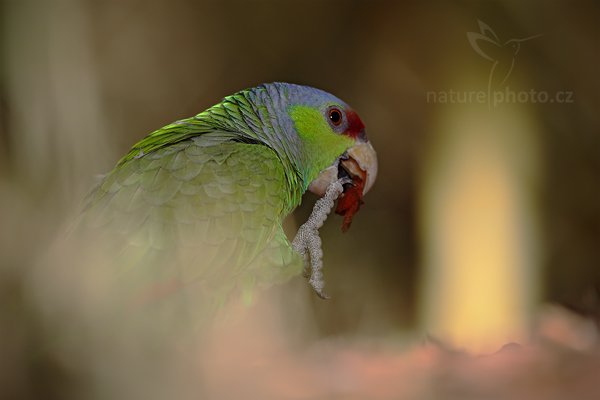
197 206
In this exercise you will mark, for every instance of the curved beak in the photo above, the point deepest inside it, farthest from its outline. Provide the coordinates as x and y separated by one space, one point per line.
362 162
359 163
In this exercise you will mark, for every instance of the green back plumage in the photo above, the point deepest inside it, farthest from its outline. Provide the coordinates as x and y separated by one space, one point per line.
237 119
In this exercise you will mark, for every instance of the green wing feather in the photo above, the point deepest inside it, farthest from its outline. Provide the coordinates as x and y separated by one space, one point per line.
196 210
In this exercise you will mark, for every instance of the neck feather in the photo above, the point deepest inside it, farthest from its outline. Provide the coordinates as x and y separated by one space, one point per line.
259 115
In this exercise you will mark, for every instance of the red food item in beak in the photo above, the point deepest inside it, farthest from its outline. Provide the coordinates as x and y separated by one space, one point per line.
350 201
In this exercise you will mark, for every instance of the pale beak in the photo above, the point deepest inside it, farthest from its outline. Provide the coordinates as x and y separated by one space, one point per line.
359 162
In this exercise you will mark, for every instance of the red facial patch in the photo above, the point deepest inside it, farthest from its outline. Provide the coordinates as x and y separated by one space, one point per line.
356 128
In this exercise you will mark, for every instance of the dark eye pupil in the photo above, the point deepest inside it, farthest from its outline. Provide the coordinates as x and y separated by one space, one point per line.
335 116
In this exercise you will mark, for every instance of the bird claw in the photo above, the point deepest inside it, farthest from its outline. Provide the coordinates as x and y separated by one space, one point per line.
308 242
318 288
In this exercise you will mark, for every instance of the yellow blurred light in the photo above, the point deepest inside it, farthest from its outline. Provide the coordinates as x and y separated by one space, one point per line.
479 231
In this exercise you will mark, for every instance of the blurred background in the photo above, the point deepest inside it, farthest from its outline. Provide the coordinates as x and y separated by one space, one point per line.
483 212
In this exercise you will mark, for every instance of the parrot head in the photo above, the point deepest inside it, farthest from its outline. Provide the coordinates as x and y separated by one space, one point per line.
335 145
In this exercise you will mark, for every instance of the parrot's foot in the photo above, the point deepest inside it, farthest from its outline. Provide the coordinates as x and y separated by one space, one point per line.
308 242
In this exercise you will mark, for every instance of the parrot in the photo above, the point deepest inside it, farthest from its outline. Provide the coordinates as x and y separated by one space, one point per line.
197 206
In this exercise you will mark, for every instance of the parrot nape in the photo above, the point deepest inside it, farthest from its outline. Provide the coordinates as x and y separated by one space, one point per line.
197 206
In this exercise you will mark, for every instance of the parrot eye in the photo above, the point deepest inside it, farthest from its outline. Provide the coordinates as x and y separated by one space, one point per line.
335 116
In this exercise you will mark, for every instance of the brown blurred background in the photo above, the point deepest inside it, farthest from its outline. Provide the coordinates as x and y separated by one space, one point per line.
81 81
